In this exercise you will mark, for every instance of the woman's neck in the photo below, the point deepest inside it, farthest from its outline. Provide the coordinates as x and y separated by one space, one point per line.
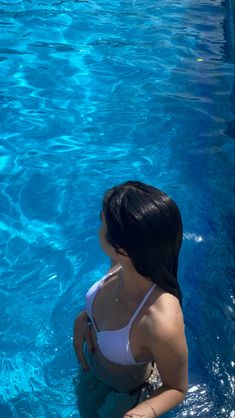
133 283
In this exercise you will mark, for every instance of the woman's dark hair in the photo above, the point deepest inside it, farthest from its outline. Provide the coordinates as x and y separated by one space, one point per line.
147 224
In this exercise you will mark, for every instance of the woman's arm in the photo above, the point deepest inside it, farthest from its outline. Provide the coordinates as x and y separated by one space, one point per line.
81 333
166 340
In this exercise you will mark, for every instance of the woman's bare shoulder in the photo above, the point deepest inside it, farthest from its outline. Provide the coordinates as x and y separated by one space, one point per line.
114 268
114 263
165 316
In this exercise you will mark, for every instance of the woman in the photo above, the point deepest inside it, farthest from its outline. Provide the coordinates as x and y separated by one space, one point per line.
133 318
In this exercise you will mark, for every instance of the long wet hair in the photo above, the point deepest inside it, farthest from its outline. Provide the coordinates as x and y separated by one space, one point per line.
147 224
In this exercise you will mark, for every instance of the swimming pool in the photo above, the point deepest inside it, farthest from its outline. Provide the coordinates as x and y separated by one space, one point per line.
92 94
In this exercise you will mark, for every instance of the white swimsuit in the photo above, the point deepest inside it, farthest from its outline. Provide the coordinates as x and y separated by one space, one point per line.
114 344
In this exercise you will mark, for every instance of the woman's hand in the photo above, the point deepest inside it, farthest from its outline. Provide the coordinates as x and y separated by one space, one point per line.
82 332
144 410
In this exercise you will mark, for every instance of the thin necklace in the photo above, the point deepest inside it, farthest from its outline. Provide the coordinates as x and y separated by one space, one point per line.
120 283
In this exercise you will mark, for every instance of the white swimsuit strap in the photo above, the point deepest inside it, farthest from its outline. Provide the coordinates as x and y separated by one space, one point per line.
141 304
110 274
99 285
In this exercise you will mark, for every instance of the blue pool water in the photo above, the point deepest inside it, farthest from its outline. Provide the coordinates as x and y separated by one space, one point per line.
92 94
